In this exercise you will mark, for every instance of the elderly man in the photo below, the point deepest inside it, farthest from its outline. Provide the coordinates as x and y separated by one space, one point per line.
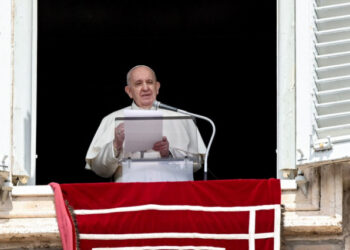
106 150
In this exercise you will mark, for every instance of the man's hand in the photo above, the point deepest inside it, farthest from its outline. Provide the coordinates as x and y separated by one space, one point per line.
162 146
119 136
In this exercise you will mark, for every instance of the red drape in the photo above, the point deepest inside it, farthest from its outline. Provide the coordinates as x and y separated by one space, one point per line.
220 214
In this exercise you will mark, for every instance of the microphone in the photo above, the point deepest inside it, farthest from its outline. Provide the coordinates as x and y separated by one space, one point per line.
158 104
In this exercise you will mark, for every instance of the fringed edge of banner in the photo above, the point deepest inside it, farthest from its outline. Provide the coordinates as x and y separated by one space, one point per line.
75 224
283 209
62 212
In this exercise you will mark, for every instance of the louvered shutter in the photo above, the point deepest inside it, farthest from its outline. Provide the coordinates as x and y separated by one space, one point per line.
323 81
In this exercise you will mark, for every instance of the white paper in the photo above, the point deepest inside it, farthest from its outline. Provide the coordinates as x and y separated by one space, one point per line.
141 135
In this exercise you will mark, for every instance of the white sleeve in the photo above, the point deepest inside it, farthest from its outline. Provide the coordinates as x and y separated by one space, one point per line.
105 163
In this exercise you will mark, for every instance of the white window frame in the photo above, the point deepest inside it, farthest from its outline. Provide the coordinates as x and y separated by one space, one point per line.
18 77
5 93
285 88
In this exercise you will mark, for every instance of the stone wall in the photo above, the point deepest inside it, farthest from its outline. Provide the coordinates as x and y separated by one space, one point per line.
326 241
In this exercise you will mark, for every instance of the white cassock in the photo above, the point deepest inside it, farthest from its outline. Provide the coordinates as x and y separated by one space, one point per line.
105 162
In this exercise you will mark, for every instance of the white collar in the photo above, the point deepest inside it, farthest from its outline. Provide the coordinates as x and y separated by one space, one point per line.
134 106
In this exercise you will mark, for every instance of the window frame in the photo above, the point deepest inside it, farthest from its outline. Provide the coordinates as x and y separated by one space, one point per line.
19 89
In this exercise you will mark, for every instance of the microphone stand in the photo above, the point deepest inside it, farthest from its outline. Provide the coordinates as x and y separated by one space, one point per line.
205 177
161 105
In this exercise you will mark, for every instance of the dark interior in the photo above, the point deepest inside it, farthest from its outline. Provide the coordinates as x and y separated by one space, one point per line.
214 58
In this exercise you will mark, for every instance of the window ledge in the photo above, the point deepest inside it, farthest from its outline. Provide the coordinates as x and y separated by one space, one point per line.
39 190
31 219
288 185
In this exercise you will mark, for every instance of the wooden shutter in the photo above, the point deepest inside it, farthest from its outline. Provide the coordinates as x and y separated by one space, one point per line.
323 81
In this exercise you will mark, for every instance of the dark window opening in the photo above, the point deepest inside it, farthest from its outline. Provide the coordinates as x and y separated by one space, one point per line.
215 58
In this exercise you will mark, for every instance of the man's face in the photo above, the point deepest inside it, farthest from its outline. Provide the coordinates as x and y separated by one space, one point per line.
143 87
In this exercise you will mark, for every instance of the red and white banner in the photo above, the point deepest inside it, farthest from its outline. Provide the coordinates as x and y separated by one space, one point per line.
221 214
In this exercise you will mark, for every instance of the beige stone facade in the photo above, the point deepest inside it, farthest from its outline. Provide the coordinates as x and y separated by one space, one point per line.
319 220
28 221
